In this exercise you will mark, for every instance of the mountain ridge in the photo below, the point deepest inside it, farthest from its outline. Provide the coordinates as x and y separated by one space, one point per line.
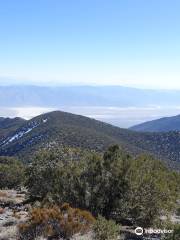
59 128
85 96
165 124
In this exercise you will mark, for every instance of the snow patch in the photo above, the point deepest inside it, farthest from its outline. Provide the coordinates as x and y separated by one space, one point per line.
44 120
20 134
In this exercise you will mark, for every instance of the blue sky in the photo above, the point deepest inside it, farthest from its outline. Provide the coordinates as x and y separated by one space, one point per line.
120 42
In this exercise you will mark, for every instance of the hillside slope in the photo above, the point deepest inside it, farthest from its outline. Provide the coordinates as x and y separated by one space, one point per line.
8 125
165 124
61 128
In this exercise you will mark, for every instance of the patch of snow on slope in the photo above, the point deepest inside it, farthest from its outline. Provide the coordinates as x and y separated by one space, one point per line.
44 120
20 134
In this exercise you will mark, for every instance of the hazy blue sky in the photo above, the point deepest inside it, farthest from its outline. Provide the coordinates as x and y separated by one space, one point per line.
124 42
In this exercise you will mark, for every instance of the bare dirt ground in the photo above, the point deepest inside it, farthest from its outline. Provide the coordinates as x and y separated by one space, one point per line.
11 213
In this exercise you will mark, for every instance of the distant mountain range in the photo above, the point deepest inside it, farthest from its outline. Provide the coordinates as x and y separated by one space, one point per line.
22 138
165 124
117 105
19 96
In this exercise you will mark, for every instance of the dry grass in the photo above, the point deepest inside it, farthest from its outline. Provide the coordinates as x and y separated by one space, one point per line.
56 221
3 194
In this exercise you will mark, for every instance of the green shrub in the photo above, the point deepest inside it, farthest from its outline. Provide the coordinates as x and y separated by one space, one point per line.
105 229
176 233
178 212
114 185
11 173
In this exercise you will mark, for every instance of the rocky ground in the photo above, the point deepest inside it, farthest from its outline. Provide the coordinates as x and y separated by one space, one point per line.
12 213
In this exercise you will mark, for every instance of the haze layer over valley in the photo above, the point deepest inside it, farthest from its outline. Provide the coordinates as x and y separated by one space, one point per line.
120 106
